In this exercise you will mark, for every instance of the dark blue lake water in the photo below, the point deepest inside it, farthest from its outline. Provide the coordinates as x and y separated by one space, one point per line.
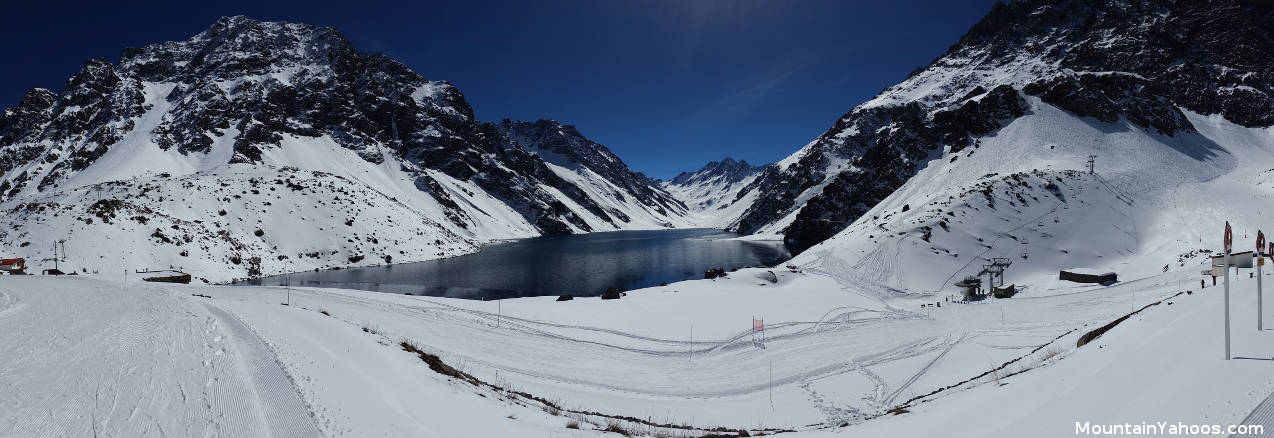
580 264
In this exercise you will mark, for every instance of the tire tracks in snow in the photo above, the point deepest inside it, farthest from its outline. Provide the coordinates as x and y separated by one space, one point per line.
480 319
950 345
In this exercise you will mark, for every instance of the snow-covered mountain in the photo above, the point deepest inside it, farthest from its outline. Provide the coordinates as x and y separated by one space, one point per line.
712 192
1117 66
984 152
254 125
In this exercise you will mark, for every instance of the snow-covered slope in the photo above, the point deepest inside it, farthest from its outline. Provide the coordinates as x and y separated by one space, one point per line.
1155 202
94 355
245 99
1012 181
246 220
712 192
628 198
1119 66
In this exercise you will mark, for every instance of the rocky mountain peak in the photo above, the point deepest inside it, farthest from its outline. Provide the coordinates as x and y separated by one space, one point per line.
728 170
1142 61
1210 57
563 145
245 93
239 46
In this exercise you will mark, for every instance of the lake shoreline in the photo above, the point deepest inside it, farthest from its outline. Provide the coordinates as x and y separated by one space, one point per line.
576 264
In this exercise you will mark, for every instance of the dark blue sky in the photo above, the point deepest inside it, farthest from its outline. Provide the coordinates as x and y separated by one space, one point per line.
667 85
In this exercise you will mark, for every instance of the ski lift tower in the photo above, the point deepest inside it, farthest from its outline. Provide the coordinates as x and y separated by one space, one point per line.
970 286
56 259
995 271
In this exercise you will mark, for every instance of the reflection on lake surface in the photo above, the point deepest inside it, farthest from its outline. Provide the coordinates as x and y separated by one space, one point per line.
579 264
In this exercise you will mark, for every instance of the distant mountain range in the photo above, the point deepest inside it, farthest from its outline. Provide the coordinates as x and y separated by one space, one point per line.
713 192
298 103
180 154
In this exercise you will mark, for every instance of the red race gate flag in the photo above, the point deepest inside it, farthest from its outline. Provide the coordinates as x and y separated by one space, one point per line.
758 325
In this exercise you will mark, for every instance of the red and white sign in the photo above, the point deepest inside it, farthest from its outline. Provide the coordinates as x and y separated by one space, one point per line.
1229 237
1260 241
758 325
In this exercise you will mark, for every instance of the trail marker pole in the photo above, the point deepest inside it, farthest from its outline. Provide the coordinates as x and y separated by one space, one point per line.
771 385
1227 306
1229 238
1260 261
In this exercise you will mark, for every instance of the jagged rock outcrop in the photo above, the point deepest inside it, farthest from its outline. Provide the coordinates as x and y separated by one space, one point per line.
1135 60
254 84
347 132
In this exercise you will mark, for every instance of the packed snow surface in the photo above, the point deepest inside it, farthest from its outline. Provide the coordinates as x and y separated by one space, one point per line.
111 356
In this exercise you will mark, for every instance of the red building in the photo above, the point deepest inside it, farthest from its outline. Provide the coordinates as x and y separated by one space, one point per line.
13 266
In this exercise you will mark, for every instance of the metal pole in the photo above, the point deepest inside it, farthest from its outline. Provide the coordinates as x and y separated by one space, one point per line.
771 385
1260 323
1226 268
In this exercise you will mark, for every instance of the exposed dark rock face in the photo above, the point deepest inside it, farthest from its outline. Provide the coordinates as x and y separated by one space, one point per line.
1108 97
563 145
1209 56
975 118
1134 60
255 84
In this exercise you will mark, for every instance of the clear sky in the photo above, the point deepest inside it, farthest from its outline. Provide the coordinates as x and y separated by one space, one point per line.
667 85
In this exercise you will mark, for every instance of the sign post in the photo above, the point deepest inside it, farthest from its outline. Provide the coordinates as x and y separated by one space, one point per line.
1260 260
1229 239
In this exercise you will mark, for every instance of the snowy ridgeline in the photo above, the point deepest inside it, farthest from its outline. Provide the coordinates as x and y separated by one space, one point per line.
1040 85
256 148
714 194
1024 193
981 155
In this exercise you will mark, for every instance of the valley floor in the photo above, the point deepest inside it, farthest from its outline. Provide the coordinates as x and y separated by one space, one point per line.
95 356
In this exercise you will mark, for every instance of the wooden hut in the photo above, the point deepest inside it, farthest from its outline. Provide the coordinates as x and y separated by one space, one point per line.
167 277
1005 292
1080 275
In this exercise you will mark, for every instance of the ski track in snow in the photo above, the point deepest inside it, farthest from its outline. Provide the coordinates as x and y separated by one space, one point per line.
781 336
485 320
284 411
132 362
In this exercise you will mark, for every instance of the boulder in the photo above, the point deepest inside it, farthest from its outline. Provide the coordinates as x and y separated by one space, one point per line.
612 293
